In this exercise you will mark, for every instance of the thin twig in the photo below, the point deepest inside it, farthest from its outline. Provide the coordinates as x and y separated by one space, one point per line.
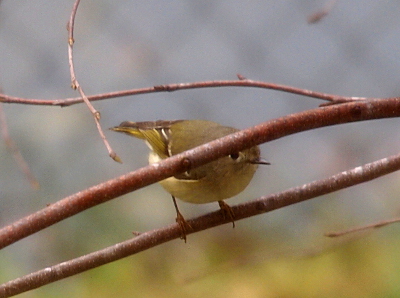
376 225
13 148
184 86
320 14
76 86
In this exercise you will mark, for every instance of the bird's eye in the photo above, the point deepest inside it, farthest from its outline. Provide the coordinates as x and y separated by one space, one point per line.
234 156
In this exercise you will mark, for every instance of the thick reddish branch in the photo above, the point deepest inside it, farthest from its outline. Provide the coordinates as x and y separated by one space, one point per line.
264 132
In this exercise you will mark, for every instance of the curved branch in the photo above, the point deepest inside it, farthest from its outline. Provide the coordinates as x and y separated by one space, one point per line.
76 86
182 86
264 132
156 237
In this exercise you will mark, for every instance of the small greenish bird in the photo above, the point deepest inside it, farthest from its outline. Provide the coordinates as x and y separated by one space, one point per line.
213 182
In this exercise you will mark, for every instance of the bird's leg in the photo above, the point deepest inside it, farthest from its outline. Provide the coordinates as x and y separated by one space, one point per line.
183 224
227 211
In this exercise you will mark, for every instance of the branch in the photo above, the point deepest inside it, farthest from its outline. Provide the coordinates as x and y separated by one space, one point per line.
16 153
320 14
182 86
156 237
264 132
76 86
375 225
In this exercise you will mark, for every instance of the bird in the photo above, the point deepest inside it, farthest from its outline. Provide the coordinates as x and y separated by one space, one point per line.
213 182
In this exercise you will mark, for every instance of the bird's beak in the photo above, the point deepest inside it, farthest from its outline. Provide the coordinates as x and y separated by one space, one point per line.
259 161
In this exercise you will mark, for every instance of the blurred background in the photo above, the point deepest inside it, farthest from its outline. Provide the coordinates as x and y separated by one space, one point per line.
354 51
